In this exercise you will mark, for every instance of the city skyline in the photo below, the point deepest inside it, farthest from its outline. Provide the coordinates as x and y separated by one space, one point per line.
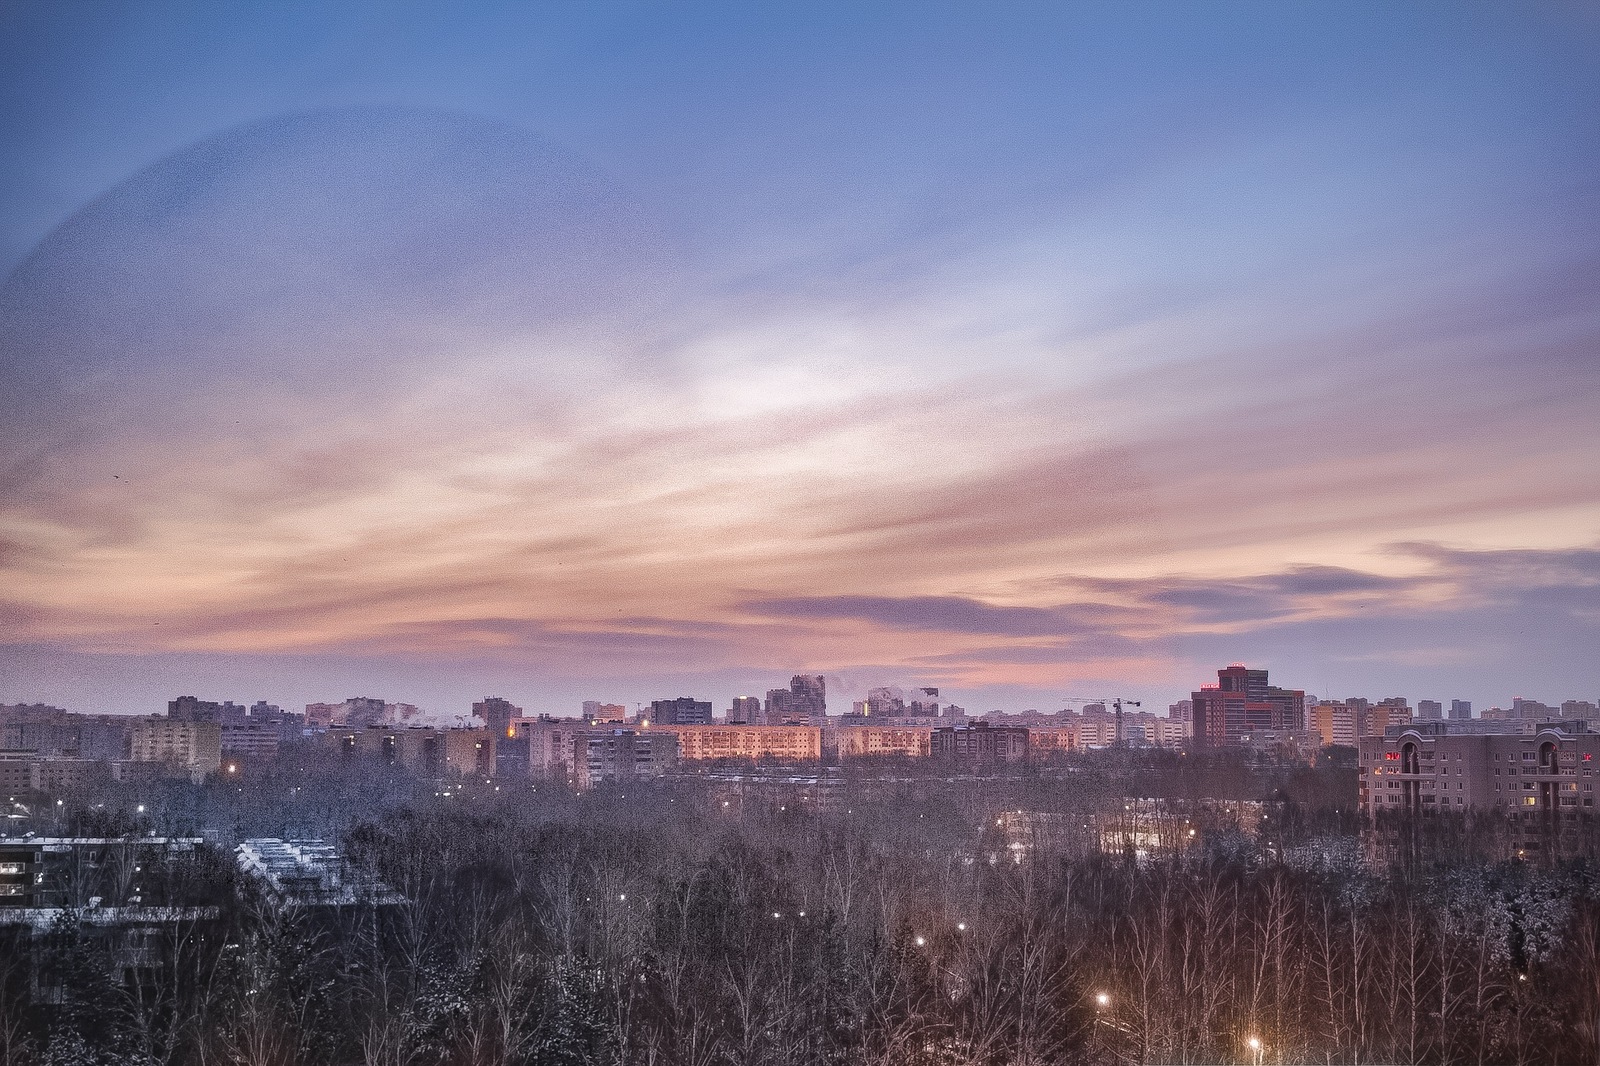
625 354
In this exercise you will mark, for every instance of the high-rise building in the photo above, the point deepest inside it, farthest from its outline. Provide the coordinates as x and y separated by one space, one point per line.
621 755
1521 708
1337 723
497 714
745 710
1386 713
811 694
1429 710
1242 702
1182 711
195 746
192 709
595 711
685 710
1460 710
882 702
804 701
361 711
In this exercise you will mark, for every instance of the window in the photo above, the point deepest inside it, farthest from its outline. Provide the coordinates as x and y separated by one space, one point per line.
1530 801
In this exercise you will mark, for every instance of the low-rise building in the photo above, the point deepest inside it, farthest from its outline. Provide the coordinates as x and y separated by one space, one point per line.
89 872
301 873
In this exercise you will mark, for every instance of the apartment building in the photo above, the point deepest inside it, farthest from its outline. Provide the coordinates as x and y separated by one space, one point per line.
791 743
857 742
192 746
1427 767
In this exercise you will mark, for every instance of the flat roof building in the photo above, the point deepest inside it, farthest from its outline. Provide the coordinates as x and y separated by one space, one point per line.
1430 767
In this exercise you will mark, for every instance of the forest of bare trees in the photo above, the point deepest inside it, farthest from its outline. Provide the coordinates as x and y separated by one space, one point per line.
653 925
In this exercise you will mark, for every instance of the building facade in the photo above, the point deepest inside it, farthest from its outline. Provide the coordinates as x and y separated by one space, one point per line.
745 710
789 743
425 750
865 741
685 710
496 713
979 744
1426 767
622 755
1243 702
192 746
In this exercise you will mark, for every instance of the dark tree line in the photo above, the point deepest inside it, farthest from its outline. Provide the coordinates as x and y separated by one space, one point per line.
652 925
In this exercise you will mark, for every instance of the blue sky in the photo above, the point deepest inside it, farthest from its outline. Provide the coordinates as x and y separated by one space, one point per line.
618 350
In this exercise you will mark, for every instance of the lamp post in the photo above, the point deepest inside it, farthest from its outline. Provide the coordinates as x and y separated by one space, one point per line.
1102 1001
1257 1051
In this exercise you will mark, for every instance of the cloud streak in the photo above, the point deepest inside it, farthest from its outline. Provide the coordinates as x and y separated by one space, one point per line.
377 383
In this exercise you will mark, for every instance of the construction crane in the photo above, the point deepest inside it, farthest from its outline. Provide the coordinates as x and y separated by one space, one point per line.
1116 702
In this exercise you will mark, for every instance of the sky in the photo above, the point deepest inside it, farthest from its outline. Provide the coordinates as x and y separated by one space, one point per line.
628 351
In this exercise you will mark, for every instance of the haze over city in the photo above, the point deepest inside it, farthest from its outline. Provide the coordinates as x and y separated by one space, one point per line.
627 351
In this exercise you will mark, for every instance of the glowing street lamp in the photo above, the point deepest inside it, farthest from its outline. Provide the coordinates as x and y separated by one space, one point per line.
1256 1049
1102 1003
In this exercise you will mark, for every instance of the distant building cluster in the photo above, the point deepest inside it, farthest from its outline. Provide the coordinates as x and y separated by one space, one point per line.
46 748
361 710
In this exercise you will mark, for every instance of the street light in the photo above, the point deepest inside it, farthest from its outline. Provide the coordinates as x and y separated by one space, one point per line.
1102 1001
1256 1049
